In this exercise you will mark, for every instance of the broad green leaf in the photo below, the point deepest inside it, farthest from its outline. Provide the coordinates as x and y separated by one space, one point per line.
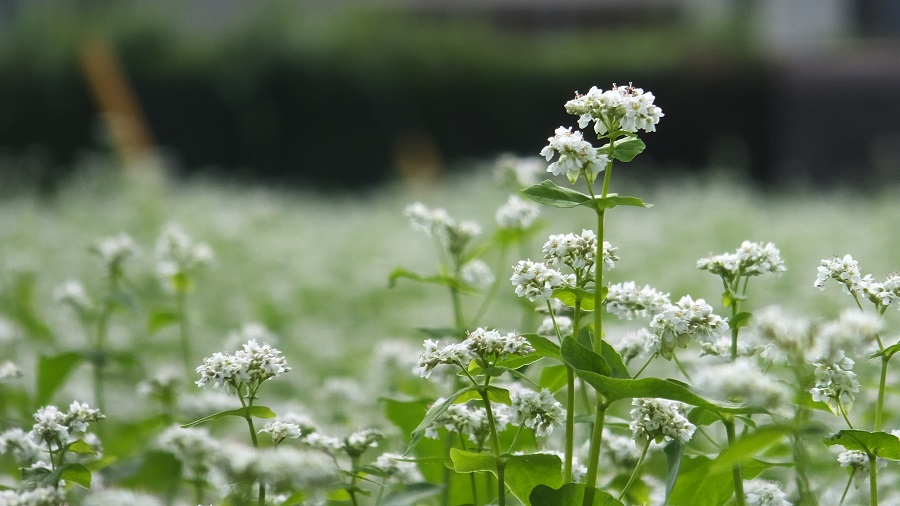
437 279
53 371
551 194
554 378
613 200
160 319
542 346
741 319
570 494
569 297
139 431
747 446
81 448
157 471
405 415
412 494
432 415
888 352
508 364
617 367
253 411
626 149
522 472
22 309
471 462
495 394
76 473
880 444
702 417
674 452
695 486
581 358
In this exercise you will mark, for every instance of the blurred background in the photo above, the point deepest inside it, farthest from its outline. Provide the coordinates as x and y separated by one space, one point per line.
345 94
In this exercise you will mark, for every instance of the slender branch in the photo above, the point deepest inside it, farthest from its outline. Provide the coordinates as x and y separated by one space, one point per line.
728 421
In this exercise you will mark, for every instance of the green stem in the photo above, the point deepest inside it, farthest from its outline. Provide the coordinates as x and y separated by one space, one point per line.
728 421
844 413
590 478
472 482
181 310
100 342
681 367
570 407
882 382
354 465
873 480
495 445
645 365
801 459
634 473
446 476
847 488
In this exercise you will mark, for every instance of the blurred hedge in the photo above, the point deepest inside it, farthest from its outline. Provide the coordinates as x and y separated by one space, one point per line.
336 94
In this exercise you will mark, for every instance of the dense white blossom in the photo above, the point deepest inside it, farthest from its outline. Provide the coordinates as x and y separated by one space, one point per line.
764 493
676 324
659 420
438 223
56 428
468 420
575 155
114 250
487 346
40 496
620 451
397 469
281 431
624 108
358 442
517 214
750 259
852 332
253 364
628 301
859 462
782 337
548 330
633 344
836 383
23 448
195 448
476 273
536 410
536 281
741 381
843 270
578 252
178 254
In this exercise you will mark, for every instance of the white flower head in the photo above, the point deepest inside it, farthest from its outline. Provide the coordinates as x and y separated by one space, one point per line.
548 330
438 223
659 420
521 171
633 344
750 259
281 431
628 301
517 214
780 336
676 324
114 250
843 270
253 364
836 383
764 493
23 448
741 381
476 273
576 155
358 442
624 108
536 410
397 469
9 371
536 281
177 254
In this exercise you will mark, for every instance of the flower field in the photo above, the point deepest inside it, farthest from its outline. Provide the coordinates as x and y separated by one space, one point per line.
200 343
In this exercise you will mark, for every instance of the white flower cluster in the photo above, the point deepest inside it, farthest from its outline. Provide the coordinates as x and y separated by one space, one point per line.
764 493
488 346
835 384
621 451
281 468
627 301
750 259
578 251
782 336
852 332
633 344
40 496
575 155
858 461
253 364
178 254
721 347
624 108
469 421
517 214
281 431
195 448
358 442
548 330
397 469
659 420
521 171
114 250
536 281
56 428
741 381
23 448
476 273
846 271
676 324
118 497
72 292
438 223
9 370
536 410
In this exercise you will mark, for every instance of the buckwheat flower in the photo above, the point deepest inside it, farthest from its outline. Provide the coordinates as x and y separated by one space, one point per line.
72 292
764 493
885 293
490 345
9 371
288 468
621 451
178 254
624 108
721 347
453 354
578 252
253 364
854 330
782 337
50 427
454 419
114 250
80 414
632 344
437 223
659 420
398 470
118 497
627 301
858 462
750 259
741 381
195 448
517 214
476 273
281 431
536 410
321 442
42 495
23 448
358 442
522 171
548 330
835 384
535 280
477 426
843 270
575 155
676 324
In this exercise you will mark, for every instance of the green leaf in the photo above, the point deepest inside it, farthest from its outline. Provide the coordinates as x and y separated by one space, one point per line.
405 415
695 486
553 378
741 319
551 194
614 361
747 446
613 200
495 394
880 444
570 494
432 415
80 447
160 319
471 462
702 417
437 279
522 473
22 309
76 473
254 411
543 347
581 358
506 365
53 371
888 352
568 296
674 452
626 149
412 494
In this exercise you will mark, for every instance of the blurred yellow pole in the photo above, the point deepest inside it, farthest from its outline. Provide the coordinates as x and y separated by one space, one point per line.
118 106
